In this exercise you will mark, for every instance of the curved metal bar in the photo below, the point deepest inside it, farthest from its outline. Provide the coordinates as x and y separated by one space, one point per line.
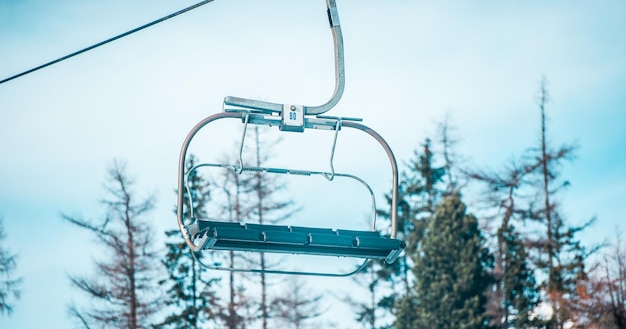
394 171
181 175
285 171
340 76
241 270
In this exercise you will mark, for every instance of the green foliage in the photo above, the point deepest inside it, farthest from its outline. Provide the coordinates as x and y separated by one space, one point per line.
190 295
420 189
423 180
377 277
9 284
520 290
451 273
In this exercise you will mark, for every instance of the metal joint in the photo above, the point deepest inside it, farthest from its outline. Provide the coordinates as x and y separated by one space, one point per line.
292 118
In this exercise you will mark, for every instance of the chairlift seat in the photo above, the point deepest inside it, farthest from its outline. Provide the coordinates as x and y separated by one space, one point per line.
216 235
298 240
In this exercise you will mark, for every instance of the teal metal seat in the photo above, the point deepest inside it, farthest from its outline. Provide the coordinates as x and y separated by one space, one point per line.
298 240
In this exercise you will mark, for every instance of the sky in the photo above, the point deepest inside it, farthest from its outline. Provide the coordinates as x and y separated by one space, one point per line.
408 64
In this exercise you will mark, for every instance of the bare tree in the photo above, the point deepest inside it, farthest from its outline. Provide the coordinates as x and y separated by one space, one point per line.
615 270
122 289
295 308
9 284
603 305
251 196
515 293
561 255
448 140
231 196
267 210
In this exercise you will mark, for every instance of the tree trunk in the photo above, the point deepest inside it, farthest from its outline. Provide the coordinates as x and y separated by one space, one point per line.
131 270
548 208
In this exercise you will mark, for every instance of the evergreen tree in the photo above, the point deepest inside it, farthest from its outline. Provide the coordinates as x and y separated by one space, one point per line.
122 290
190 294
520 290
9 284
423 181
377 278
451 273
419 191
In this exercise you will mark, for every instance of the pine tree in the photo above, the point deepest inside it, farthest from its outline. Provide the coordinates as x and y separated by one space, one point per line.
122 290
9 284
419 191
451 272
519 286
422 190
191 295
376 277
423 180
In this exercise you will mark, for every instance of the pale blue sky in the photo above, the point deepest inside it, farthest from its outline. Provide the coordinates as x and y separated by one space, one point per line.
407 64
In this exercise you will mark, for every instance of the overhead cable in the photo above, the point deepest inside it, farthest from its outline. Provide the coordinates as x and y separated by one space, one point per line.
162 19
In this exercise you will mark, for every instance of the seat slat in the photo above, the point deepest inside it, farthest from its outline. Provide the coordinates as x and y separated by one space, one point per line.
293 238
266 227
235 234
307 230
359 233
207 225
332 240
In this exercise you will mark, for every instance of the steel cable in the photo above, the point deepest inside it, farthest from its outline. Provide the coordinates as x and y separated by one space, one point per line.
162 19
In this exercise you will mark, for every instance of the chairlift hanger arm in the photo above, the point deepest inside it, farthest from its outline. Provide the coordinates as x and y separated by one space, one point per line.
340 77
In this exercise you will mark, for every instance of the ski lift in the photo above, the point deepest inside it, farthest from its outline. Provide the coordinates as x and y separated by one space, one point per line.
205 234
